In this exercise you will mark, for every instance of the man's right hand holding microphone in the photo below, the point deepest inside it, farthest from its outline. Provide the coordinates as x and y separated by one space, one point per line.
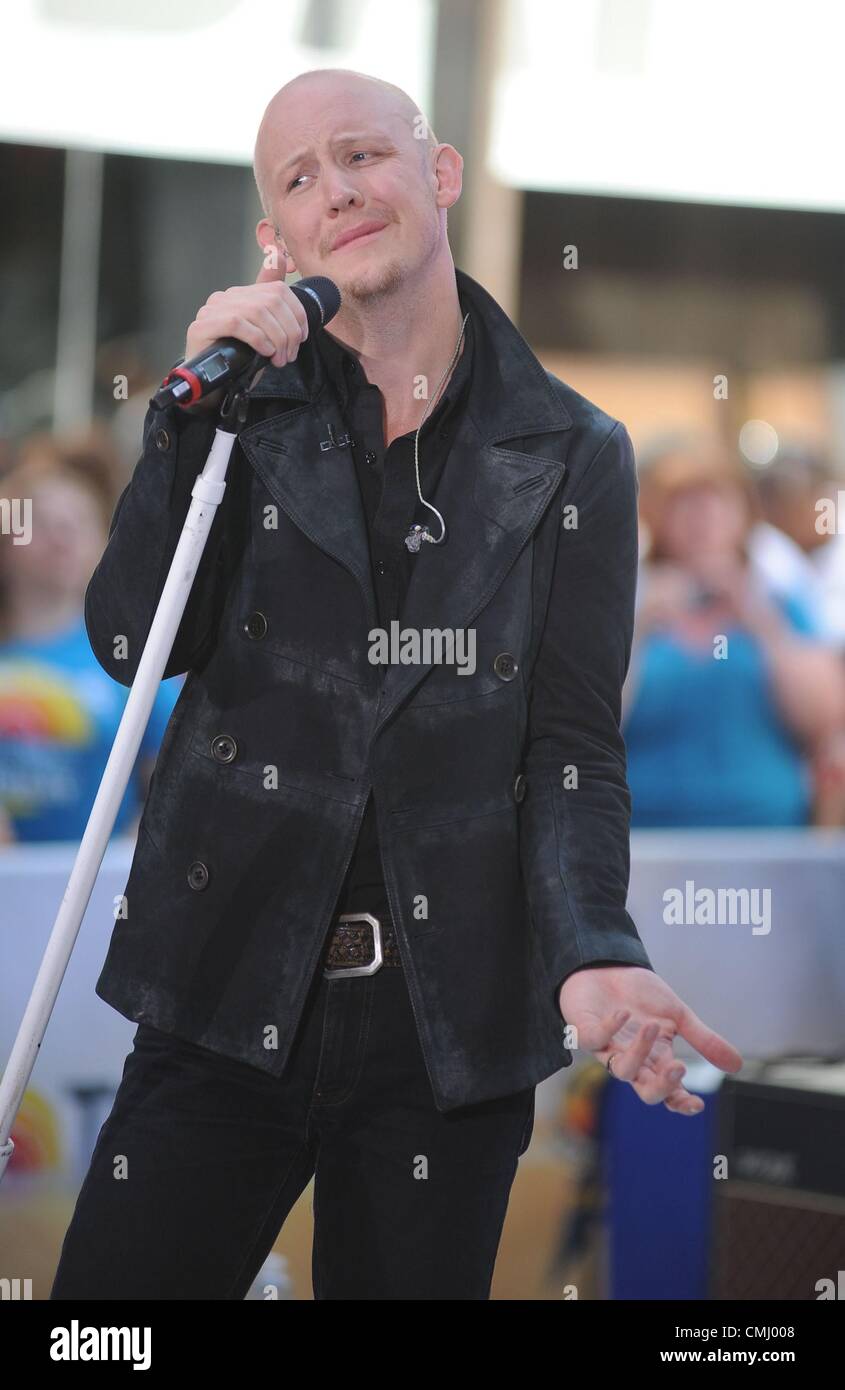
267 316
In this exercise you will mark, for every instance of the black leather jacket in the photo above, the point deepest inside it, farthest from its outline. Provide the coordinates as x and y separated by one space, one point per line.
503 876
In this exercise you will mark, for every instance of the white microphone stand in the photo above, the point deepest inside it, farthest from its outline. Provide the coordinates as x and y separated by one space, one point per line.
206 495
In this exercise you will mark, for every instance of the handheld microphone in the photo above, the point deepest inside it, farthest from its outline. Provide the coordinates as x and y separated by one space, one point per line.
225 359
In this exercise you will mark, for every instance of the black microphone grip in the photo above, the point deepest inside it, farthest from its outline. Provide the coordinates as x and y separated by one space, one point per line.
224 360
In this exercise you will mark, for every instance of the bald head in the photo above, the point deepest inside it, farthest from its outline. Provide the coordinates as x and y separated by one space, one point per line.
338 151
370 96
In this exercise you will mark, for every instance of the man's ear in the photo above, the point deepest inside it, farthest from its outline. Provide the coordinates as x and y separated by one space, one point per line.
273 249
447 171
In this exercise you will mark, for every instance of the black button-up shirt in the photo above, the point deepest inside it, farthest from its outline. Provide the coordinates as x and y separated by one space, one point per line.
387 481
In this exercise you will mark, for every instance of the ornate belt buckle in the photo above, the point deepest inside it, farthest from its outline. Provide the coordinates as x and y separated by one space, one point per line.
341 972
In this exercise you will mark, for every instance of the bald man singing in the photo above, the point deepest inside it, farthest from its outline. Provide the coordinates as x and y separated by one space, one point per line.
379 887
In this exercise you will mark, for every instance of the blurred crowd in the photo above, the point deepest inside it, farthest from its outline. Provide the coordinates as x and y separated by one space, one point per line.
734 706
59 710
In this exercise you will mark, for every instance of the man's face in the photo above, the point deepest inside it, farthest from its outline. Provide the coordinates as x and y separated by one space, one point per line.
336 157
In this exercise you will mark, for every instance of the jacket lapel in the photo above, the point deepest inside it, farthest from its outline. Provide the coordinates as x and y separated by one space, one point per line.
306 466
491 496
491 500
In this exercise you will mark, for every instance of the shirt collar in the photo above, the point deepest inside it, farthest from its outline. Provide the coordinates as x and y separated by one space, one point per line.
345 372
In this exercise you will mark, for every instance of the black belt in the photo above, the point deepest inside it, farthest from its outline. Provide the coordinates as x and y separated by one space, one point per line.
359 944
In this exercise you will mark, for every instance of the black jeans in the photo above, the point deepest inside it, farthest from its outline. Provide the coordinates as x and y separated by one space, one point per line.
202 1157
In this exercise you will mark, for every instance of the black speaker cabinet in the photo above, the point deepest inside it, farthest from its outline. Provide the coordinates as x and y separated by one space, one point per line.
779 1214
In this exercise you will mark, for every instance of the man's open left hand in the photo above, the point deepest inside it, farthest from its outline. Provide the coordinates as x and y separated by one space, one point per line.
631 1014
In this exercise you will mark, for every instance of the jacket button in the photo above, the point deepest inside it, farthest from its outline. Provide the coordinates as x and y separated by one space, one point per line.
370 457
505 666
256 625
162 439
198 875
519 787
224 748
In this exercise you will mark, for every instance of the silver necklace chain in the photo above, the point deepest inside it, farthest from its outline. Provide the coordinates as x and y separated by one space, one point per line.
418 534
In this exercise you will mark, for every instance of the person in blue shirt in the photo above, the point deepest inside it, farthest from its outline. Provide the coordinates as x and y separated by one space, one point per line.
730 690
59 711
